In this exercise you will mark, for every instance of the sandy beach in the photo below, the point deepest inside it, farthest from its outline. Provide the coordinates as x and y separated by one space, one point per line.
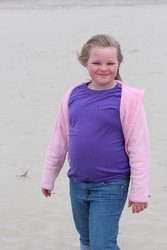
38 46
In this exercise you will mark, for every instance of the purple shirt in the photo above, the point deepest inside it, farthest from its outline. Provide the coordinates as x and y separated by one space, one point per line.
96 142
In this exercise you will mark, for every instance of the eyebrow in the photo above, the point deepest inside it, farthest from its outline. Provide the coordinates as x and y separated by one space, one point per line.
98 60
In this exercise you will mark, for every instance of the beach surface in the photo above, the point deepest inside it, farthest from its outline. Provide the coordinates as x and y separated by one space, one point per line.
38 47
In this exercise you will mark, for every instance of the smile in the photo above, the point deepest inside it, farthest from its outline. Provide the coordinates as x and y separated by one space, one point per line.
103 74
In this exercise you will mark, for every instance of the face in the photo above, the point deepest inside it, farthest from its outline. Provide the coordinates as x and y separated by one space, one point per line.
102 66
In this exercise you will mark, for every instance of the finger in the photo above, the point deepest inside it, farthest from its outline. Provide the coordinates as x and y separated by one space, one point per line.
43 191
140 208
48 193
135 208
129 204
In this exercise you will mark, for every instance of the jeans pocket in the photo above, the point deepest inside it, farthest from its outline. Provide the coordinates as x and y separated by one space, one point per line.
117 189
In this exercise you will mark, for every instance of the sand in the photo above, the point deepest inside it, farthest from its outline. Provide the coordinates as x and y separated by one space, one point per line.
38 45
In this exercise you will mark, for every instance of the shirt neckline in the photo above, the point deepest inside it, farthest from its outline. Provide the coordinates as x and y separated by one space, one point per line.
102 90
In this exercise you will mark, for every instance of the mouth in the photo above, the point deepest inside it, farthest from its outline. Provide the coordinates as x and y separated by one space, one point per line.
103 74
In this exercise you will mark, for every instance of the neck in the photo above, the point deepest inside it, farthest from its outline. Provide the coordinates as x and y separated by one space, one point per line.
94 86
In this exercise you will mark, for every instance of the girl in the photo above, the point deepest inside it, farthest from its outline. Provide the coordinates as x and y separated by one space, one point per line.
102 126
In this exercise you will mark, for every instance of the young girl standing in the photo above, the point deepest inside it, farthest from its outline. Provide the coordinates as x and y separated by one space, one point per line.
102 126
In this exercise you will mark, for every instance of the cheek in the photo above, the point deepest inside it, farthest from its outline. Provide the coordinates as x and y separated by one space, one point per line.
115 69
92 69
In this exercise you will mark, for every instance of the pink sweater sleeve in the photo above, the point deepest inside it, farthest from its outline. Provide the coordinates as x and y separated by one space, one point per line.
139 157
56 152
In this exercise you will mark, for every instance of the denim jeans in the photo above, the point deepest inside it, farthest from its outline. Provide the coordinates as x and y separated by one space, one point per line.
97 208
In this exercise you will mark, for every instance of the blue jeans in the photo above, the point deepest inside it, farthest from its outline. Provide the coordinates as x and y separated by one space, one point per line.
97 208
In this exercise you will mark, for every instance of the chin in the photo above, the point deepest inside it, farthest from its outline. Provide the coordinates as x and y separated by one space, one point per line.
104 83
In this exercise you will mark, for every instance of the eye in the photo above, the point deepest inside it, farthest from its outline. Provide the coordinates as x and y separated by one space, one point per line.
110 63
96 63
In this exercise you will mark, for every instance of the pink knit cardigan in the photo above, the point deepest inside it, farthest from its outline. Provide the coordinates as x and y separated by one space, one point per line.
135 132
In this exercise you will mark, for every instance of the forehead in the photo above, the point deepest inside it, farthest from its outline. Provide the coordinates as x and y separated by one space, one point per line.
103 52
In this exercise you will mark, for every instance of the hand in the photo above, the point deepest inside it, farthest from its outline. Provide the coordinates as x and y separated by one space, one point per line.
46 192
137 207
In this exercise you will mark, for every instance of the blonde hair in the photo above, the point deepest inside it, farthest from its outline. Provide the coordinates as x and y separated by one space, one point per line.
100 40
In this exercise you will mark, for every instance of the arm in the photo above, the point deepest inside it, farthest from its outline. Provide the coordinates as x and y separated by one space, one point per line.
139 158
56 153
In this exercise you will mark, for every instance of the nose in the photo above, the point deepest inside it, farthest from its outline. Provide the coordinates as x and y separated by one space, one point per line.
103 67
